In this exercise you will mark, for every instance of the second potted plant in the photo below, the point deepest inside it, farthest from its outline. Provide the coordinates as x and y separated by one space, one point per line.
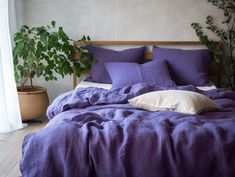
223 50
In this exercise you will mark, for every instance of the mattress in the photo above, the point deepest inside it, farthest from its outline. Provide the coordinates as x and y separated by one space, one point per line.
84 84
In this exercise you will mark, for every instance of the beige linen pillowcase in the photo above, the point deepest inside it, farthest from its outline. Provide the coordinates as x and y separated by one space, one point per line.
174 100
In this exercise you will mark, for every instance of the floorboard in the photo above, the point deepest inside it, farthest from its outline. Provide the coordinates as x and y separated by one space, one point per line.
10 149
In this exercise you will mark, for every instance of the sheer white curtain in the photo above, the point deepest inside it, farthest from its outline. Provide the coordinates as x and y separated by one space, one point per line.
10 118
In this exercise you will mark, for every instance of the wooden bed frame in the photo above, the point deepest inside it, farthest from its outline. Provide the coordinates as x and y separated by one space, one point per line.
214 70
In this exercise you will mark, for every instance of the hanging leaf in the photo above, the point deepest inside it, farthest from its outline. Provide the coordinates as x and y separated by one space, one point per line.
53 23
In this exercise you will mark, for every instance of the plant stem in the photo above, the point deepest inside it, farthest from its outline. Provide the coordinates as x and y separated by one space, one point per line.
31 82
231 54
233 23
24 81
228 77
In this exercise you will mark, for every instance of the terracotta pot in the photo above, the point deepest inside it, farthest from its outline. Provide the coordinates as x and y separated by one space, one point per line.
33 104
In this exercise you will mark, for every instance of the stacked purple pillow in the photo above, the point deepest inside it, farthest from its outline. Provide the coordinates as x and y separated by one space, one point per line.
98 71
124 74
168 68
187 67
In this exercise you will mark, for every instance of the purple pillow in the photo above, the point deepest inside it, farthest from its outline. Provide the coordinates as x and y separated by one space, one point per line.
186 66
98 71
124 74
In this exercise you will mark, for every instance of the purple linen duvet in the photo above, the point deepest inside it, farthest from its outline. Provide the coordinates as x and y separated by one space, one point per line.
95 132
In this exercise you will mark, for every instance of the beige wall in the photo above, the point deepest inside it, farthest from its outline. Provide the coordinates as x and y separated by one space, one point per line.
116 20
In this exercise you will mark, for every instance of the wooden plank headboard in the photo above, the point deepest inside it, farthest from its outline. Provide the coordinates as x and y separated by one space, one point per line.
148 55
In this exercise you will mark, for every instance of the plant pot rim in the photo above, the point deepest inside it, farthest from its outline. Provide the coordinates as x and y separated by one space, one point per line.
38 90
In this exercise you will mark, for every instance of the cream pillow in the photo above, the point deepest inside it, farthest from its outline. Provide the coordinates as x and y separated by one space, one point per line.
174 100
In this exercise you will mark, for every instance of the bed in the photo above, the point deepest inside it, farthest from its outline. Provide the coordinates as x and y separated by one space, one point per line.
102 129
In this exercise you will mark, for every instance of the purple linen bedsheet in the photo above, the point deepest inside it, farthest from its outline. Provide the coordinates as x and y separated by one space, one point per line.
95 132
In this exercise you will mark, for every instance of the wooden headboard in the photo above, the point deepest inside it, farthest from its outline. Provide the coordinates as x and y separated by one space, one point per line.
213 71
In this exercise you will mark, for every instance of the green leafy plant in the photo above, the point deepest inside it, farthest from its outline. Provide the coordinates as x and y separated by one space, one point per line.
46 52
224 49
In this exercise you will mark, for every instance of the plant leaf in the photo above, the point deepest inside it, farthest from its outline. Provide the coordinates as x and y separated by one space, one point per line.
53 23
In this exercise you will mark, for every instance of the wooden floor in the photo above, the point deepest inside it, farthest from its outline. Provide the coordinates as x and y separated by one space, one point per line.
10 149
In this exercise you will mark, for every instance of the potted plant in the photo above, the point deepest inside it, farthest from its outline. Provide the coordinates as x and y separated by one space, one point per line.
224 49
44 51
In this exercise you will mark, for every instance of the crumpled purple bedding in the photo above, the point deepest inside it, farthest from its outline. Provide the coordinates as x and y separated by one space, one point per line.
95 132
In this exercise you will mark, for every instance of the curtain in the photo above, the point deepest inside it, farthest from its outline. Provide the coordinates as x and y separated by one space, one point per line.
10 118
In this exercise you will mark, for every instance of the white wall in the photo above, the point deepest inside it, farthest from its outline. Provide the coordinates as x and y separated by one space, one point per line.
116 20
